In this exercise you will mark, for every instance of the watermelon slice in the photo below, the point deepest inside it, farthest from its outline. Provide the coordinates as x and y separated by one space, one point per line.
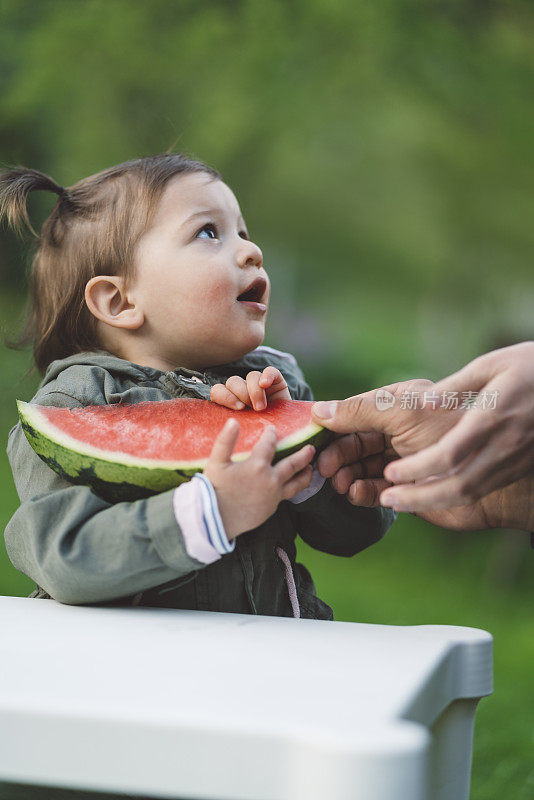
129 451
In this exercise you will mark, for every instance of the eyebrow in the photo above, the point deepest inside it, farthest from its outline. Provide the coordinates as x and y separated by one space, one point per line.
208 213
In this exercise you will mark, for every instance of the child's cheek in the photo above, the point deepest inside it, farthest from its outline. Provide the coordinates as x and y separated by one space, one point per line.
219 293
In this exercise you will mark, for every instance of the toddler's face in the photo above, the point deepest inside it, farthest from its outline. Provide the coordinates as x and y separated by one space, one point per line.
199 279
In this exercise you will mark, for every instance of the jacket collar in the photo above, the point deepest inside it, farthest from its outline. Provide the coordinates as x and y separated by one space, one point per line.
119 367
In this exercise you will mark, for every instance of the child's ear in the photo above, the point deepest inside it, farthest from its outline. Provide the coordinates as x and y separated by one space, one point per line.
107 300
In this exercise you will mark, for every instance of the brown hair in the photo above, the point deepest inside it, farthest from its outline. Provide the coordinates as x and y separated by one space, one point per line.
93 230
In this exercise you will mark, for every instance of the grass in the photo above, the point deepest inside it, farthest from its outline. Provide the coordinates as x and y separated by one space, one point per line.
418 575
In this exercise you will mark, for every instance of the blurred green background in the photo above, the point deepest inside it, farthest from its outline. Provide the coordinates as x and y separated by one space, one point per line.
382 156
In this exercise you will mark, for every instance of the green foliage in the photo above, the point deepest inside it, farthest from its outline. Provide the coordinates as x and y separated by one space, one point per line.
382 156
381 151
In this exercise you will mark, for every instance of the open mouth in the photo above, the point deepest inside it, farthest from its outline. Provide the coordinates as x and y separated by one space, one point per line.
255 292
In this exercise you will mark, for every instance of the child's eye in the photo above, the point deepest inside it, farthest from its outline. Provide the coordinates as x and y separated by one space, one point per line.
208 229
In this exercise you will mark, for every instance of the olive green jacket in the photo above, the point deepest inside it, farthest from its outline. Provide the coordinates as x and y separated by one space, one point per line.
81 549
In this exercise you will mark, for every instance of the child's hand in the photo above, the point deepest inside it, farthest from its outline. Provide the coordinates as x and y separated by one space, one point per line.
238 393
248 492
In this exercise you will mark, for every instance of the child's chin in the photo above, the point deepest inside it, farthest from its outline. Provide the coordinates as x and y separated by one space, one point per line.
256 340
249 344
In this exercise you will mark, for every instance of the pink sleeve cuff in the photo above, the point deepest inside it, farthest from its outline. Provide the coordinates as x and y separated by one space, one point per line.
187 506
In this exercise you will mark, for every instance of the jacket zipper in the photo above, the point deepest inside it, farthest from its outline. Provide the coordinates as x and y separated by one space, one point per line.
191 382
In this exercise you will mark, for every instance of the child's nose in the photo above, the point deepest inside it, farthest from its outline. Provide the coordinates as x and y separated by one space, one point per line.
250 255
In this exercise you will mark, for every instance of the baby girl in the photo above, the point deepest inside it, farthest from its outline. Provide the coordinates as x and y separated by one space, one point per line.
147 286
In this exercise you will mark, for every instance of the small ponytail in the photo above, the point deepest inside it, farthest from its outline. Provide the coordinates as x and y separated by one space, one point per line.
15 186
92 230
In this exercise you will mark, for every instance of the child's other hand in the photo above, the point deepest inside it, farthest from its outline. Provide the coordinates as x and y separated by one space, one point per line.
248 492
258 387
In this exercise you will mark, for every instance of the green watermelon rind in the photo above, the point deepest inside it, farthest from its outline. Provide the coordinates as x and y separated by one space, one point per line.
131 477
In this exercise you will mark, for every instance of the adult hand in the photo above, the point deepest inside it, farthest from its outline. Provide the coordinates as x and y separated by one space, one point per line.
489 447
407 432
349 461
354 467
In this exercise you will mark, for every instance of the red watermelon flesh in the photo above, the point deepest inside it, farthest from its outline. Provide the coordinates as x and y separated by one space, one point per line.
129 450
174 430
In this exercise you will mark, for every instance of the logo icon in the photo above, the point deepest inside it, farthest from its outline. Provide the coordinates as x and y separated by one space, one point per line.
384 400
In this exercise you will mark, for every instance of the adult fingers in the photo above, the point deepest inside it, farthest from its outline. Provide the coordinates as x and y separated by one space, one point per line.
297 484
348 449
474 375
370 411
367 492
372 467
257 395
448 453
477 428
224 397
223 446
464 487
289 466
500 428
238 387
381 409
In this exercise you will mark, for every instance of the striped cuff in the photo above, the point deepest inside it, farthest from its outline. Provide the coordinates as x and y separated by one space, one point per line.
192 506
212 518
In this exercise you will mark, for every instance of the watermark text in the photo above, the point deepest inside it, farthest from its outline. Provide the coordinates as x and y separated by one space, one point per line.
450 401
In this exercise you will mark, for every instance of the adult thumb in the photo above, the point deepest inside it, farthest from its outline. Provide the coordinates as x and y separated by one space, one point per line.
370 411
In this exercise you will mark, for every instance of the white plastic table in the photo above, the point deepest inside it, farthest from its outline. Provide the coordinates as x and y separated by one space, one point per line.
234 707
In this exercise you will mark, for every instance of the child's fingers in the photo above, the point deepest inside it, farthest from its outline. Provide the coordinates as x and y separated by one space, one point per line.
274 383
255 392
297 484
223 446
265 447
269 376
289 466
224 397
237 386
